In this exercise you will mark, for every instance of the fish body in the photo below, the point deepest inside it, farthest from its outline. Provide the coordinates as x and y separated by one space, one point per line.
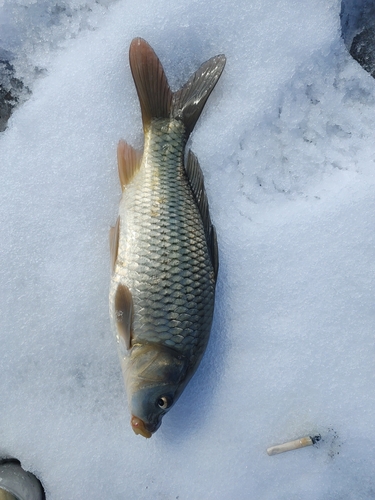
164 249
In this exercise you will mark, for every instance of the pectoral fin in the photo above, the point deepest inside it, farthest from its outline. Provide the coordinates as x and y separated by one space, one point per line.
124 313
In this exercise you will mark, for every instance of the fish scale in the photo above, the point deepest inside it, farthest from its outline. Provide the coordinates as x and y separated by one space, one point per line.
176 251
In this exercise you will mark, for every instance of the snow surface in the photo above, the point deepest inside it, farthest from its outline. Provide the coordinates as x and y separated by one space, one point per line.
286 145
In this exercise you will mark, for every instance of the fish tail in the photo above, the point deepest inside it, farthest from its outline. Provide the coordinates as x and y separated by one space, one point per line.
155 96
154 93
189 101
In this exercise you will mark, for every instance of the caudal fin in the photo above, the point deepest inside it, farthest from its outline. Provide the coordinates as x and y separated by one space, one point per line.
155 96
152 86
189 101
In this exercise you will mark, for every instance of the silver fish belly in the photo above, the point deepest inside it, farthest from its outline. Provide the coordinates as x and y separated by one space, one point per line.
164 249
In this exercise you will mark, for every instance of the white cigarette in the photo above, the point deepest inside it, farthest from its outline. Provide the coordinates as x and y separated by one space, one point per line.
293 445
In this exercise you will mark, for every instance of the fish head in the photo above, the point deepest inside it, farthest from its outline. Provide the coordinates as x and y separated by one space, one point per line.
155 376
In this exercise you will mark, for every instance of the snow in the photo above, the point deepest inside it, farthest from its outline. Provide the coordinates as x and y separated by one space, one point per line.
286 146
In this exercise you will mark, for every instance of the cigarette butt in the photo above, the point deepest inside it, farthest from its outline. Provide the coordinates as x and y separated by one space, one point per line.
293 445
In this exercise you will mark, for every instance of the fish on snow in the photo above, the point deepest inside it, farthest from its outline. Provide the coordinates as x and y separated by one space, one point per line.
163 247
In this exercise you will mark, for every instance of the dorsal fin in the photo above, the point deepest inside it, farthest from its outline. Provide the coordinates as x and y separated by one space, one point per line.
124 313
189 101
129 161
196 181
153 90
114 233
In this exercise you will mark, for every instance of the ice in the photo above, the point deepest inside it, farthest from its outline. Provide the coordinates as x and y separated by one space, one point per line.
286 146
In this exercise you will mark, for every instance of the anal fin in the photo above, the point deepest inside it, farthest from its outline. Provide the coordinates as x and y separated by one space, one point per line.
124 313
129 161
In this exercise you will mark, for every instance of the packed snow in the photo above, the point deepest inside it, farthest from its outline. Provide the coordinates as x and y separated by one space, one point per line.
286 146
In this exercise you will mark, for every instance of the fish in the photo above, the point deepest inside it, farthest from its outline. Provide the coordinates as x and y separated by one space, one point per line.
164 252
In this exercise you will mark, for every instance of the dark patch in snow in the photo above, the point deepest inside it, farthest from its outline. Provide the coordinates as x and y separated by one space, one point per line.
358 31
363 48
11 91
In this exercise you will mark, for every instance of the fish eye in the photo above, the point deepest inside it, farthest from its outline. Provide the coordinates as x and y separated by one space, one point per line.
163 402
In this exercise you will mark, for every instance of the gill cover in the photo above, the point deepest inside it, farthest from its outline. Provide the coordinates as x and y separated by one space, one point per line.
155 377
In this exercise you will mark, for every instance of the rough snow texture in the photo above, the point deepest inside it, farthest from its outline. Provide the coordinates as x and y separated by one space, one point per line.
30 32
286 145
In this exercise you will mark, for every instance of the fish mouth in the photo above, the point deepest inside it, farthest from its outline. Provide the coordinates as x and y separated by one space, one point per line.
139 427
